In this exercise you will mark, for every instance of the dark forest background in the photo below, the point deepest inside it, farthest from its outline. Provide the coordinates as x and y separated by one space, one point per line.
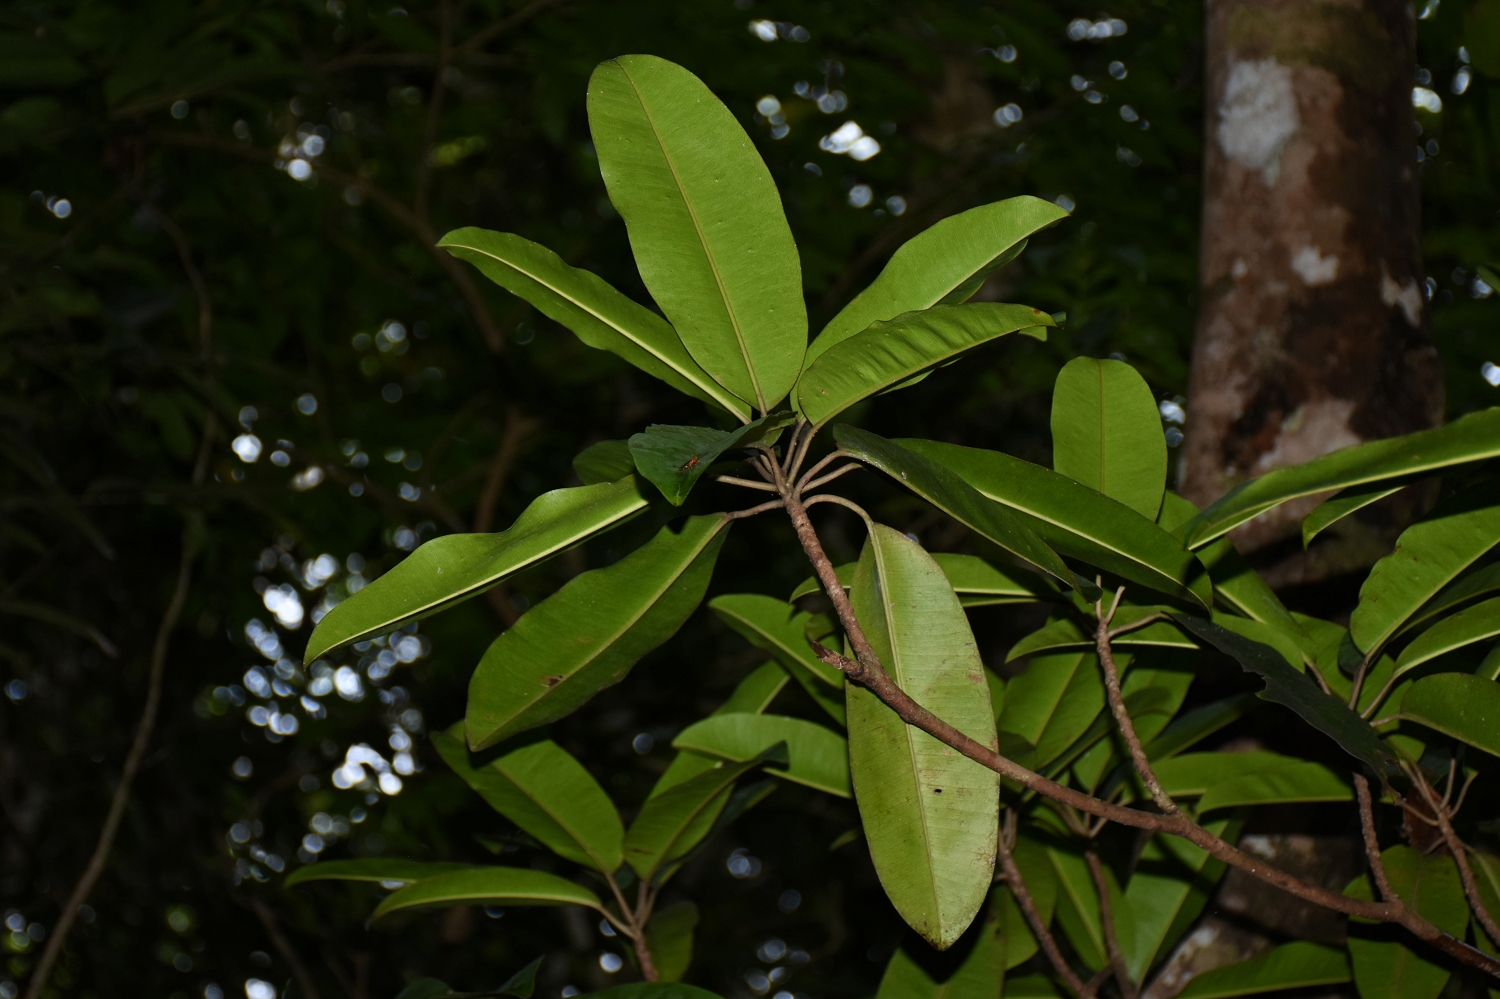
216 223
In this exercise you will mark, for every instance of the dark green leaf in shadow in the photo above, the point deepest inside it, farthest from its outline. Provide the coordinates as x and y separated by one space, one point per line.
1350 501
818 758
1301 964
604 461
489 886
1474 623
669 938
673 458
388 870
753 695
1458 704
1389 964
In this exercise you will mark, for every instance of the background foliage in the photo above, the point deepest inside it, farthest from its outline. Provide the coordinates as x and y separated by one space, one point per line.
163 270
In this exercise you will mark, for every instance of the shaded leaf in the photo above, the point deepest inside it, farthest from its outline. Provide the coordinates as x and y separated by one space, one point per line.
1169 887
947 491
1349 501
671 823
930 815
1107 434
978 582
1078 908
489 886
449 569
548 794
1077 521
669 938
978 977
386 869
1463 706
1066 631
1291 783
1193 726
1297 965
705 221
944 263
1429 555
673 458
1472 584
589 306
888 354
588 635
1288 687
1387 963
1472 624
753 695
1471 438
655 990
604 461
818 757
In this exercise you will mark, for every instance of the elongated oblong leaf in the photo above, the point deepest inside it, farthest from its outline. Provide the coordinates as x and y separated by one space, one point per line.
1470 586
1076 520
489 886
673 822
1297 781
1393 966
1066 631
947 491
1170 886
1348 502
604 461
752 696
781 629
1470 625
818 758
588 635
449 569
1106 433
1458 704
929 814
1192 775
944 263
382 869
1471 438
674 458
889 353
669 937
705 222
1295 690
585 303
978 582
1297 965
544 790
1429 555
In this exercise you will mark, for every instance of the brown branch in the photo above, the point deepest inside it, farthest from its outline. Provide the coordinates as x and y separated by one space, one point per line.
639 919
1107 921
284 947
1372 842
733 480
1459 850
823 480
769 505
867 672
1117 707
1039 929
841 501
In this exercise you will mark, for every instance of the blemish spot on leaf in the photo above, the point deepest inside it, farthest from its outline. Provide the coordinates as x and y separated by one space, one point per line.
551 681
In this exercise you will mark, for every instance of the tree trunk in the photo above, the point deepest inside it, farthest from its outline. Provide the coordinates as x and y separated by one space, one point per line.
1311 332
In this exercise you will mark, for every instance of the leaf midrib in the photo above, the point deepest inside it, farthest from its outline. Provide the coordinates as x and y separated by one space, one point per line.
565 827
712 387
713 263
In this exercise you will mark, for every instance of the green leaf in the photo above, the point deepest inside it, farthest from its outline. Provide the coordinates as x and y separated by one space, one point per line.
980 976
1191 775
1289 647
1295 782
1169 887
604 461
1349 501
1065 631
1297 965
1472 584
673 822
1486 869
1429 555
1386 964
674 458
544 790
588 635
930 815
1031 987
449 569
1041 880
425 988
1472 624
1191 727
1106 433
669 938
1470 438
945 263
1458 704
655 990
1033 697
586 304
978 583
1078 908
489 886
1295 690
383 869
705 221
889 353
753 695
1077 521
523 983
781 629
947 491
819 758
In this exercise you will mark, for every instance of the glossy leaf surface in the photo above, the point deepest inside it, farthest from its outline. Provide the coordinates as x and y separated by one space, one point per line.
1471 585
1297 965
1077 521
1390 965
889 353
588 635
1429 555
589 306
1348 502
929 814
385 869
449 569
1471 438
946 490
489 886
1472 624
940 265
1458 704
674 458
978 582
1067 631
1107 433
705 221
818 757
548 794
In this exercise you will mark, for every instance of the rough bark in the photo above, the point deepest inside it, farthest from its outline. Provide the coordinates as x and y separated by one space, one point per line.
1311 332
